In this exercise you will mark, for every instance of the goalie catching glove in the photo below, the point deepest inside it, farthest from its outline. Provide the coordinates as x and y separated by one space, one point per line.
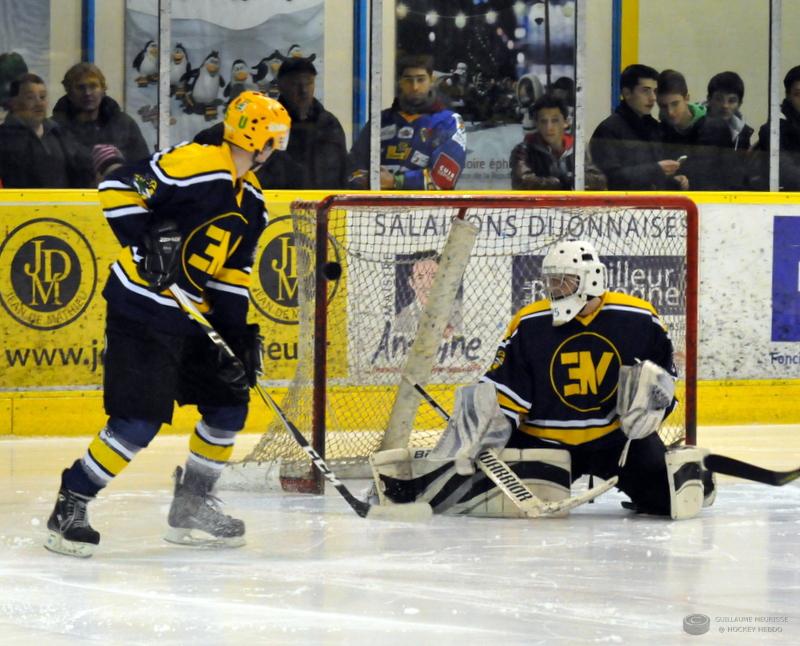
644 393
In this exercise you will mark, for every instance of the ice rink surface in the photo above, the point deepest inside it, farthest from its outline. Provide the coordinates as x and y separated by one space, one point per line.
313 572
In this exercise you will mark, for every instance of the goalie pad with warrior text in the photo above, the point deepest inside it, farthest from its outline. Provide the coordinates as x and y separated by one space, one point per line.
413 475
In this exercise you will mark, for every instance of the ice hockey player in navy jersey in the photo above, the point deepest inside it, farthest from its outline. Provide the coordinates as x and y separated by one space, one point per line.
423 145
189 216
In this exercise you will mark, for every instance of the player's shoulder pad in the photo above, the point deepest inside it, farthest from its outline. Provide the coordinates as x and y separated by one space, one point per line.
191 161
532 311
626 300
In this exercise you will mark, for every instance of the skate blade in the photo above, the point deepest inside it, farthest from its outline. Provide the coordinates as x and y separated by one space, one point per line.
58 544
199 538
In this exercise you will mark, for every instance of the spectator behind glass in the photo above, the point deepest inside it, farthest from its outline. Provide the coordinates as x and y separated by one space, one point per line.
423 145
725 96
696 140
546 158
317 141
789 138
33 150
93 118
627 145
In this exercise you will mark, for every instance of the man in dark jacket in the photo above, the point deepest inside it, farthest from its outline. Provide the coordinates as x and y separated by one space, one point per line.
789 138
317 154
546 158
317 141
627 145
33 150
724 101
93 118
700 142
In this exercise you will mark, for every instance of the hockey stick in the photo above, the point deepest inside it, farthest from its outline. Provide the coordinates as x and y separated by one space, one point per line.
405 512
509 483
739 469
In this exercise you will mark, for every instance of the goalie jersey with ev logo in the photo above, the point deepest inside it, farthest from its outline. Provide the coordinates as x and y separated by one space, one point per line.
220 227
560 382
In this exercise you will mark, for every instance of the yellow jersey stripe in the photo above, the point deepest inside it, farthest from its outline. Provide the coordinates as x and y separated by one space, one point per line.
506 402
570 436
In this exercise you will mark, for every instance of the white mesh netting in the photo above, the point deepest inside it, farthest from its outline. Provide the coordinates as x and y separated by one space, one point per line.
388 254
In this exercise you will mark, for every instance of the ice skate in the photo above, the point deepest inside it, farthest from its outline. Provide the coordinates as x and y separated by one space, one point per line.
195 519
68 527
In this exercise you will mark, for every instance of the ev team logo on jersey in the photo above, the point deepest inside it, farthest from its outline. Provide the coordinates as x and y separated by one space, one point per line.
208 247
584 371
53 274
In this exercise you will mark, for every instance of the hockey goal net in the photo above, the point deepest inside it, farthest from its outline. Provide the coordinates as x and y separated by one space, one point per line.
356 329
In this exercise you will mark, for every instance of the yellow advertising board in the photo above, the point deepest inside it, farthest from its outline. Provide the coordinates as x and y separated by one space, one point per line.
55 253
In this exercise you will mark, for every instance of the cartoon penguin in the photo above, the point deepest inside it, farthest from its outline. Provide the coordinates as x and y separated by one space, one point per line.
202 87
295 51
240 80
146 63
179 67
266 73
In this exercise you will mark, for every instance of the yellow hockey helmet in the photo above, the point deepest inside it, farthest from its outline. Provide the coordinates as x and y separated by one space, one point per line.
253 121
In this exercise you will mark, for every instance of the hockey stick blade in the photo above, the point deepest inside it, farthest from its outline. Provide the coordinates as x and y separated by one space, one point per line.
410 512
746 471
574 501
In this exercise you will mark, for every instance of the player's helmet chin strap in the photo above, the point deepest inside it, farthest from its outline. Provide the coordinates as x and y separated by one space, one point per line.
578 259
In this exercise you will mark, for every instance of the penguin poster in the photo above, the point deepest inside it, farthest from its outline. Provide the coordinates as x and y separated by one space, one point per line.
218 49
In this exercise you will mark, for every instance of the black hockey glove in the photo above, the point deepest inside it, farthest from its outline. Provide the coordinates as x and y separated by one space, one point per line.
252 353
241 374
232 372
161 251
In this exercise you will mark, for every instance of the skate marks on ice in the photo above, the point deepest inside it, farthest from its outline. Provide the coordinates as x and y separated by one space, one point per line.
313 572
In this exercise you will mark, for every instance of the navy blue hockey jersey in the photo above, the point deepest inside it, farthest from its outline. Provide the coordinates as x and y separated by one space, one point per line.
220 221
560 382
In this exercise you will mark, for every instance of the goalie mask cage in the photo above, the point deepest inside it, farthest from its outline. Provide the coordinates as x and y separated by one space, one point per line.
355 330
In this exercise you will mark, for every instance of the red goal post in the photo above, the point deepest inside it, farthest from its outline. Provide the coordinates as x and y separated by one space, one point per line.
356 329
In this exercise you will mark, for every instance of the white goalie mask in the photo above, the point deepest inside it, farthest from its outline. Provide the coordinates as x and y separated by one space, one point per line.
572 275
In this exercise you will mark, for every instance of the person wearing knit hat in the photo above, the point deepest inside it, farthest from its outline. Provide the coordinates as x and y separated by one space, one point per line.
105 158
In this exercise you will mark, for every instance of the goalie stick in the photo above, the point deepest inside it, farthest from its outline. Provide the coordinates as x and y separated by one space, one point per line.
739 469
509 483
404 512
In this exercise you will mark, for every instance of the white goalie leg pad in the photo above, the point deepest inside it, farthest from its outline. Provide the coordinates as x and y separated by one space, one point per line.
685 477
389 466
412 475
545 472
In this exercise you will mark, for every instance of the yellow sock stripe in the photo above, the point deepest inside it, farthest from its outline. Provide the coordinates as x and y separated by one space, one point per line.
200 447
107 457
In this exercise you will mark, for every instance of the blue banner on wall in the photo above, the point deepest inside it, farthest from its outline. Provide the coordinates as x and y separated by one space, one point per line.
786 279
